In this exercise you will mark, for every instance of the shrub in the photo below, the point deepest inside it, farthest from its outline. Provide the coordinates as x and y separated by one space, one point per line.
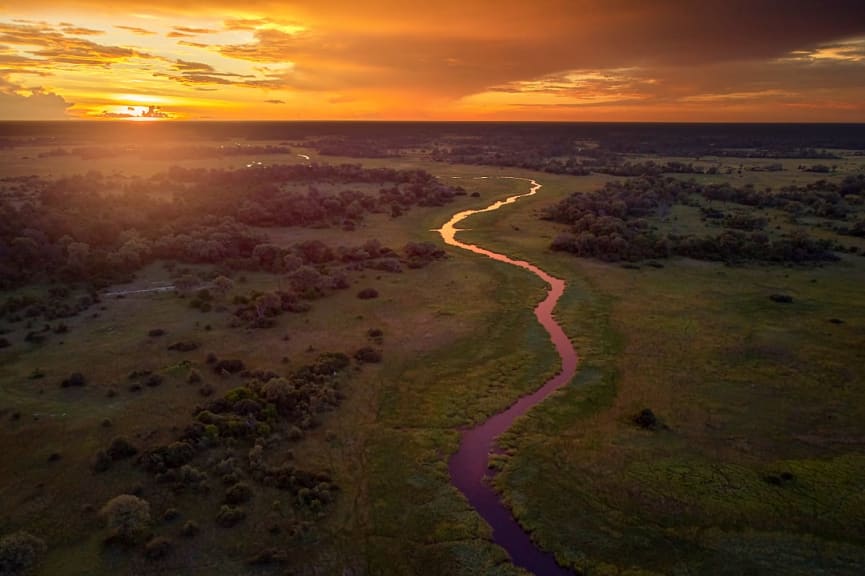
376 334
229 516
19 552
4 343
183 346
238 394
127 518
239 493
194 377
190 529
230 366
101 461
368 355
646 419
193 477
153 380
157 548
268 556
246 407
156 333
772 479
121 448
177 454
367 294
75 379
781 298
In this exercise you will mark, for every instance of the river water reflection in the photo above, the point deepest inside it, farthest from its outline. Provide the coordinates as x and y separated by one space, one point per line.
469 466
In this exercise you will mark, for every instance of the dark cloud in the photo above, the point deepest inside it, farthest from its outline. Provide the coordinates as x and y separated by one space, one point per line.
547 38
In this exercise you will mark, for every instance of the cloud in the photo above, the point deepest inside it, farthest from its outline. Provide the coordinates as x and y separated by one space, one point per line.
136 30
200 74
51 46
186 66
136 112
438 56
515 44
275 101
188 30
80 31
39 105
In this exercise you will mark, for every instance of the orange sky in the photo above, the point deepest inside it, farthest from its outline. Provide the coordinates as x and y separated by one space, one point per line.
591 60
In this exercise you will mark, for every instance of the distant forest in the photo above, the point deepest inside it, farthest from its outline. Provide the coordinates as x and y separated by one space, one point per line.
91 228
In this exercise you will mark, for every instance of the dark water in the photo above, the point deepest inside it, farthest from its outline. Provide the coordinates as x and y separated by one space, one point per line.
470 465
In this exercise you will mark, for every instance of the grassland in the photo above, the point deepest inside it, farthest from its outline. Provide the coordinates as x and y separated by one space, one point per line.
445 328
746 389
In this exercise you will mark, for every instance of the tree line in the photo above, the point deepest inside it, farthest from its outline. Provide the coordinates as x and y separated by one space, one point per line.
90 227
614 222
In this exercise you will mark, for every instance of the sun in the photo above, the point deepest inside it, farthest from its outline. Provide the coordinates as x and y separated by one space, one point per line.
136 113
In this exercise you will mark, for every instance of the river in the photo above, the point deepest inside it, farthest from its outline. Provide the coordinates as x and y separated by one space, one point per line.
469 466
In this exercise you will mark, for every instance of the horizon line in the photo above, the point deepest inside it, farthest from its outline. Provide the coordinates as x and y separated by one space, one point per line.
122 122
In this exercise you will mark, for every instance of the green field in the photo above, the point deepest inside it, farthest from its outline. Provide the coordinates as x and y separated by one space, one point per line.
757 468
747 389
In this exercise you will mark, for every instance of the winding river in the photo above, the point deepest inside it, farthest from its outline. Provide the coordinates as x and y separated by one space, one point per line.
469 466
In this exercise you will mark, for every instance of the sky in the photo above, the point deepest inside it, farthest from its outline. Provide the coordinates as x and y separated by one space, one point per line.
557 60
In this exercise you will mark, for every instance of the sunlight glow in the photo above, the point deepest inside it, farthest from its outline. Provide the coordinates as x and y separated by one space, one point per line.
351 61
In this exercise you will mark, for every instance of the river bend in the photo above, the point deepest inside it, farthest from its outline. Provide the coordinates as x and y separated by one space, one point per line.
469 466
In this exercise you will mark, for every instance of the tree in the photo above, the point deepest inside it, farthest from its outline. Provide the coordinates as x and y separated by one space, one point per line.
79 254
19 552
291 262
268 304
306 281
127 518
267 256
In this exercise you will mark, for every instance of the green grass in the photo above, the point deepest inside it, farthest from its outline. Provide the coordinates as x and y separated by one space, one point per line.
447 328
748 388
